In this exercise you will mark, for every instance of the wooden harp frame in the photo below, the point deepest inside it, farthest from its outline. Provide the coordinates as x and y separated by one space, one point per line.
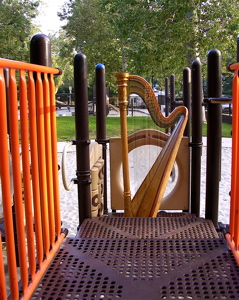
147 199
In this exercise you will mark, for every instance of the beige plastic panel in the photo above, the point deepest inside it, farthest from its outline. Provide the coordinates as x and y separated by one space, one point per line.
97 179
178 198
95 153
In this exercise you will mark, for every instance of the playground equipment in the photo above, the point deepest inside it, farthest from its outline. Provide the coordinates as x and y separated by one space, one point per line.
172 256
33 232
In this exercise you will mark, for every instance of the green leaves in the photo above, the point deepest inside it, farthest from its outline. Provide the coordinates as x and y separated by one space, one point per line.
160 36
16 27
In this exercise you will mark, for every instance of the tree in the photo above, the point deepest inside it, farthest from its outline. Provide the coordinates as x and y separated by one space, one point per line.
62 58
16 27
168 35
89 31
157 37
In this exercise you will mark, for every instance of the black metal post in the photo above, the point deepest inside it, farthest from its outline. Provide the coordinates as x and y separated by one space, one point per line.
132 106
238 48
101 122
172 95
196 143
82 141
172 92
187 97
166 97
40 50
214 136
187 103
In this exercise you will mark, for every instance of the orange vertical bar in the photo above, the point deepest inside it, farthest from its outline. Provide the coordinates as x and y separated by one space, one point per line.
35 167
235 149
54 156
17 180
3 288
233 236
47 125
42 163
235 169
231 244
6 191
26 173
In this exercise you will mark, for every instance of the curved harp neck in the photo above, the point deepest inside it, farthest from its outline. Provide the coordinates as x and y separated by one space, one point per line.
140 86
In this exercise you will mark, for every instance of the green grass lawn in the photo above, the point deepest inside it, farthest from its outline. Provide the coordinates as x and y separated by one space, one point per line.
66 127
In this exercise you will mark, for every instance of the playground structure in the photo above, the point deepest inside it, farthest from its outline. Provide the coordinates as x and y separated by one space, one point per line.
170 256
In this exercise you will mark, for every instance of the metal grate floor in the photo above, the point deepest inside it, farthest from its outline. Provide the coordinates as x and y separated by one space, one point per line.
141 269
165 227
160 214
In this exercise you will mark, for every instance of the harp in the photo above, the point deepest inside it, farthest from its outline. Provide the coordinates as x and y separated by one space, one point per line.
146 202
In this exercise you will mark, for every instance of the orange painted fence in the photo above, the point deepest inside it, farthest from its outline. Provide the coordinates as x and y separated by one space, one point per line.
233 236
29 176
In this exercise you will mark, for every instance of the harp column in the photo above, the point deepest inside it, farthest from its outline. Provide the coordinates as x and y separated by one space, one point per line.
122 81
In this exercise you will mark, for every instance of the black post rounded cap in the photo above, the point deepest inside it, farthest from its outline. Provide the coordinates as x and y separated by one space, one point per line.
40 50
100 66
80 56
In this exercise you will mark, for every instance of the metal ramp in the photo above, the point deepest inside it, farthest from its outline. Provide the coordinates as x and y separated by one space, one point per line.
168 257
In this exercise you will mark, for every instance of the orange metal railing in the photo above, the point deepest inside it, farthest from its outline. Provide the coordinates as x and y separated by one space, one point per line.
233 236
28 150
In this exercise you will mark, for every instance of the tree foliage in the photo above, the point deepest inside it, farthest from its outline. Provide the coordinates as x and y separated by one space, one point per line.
168 35
156 37
16 27
89 31
62 58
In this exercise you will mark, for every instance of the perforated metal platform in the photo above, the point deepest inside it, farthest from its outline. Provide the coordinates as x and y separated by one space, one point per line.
165 227
141 269
161 213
